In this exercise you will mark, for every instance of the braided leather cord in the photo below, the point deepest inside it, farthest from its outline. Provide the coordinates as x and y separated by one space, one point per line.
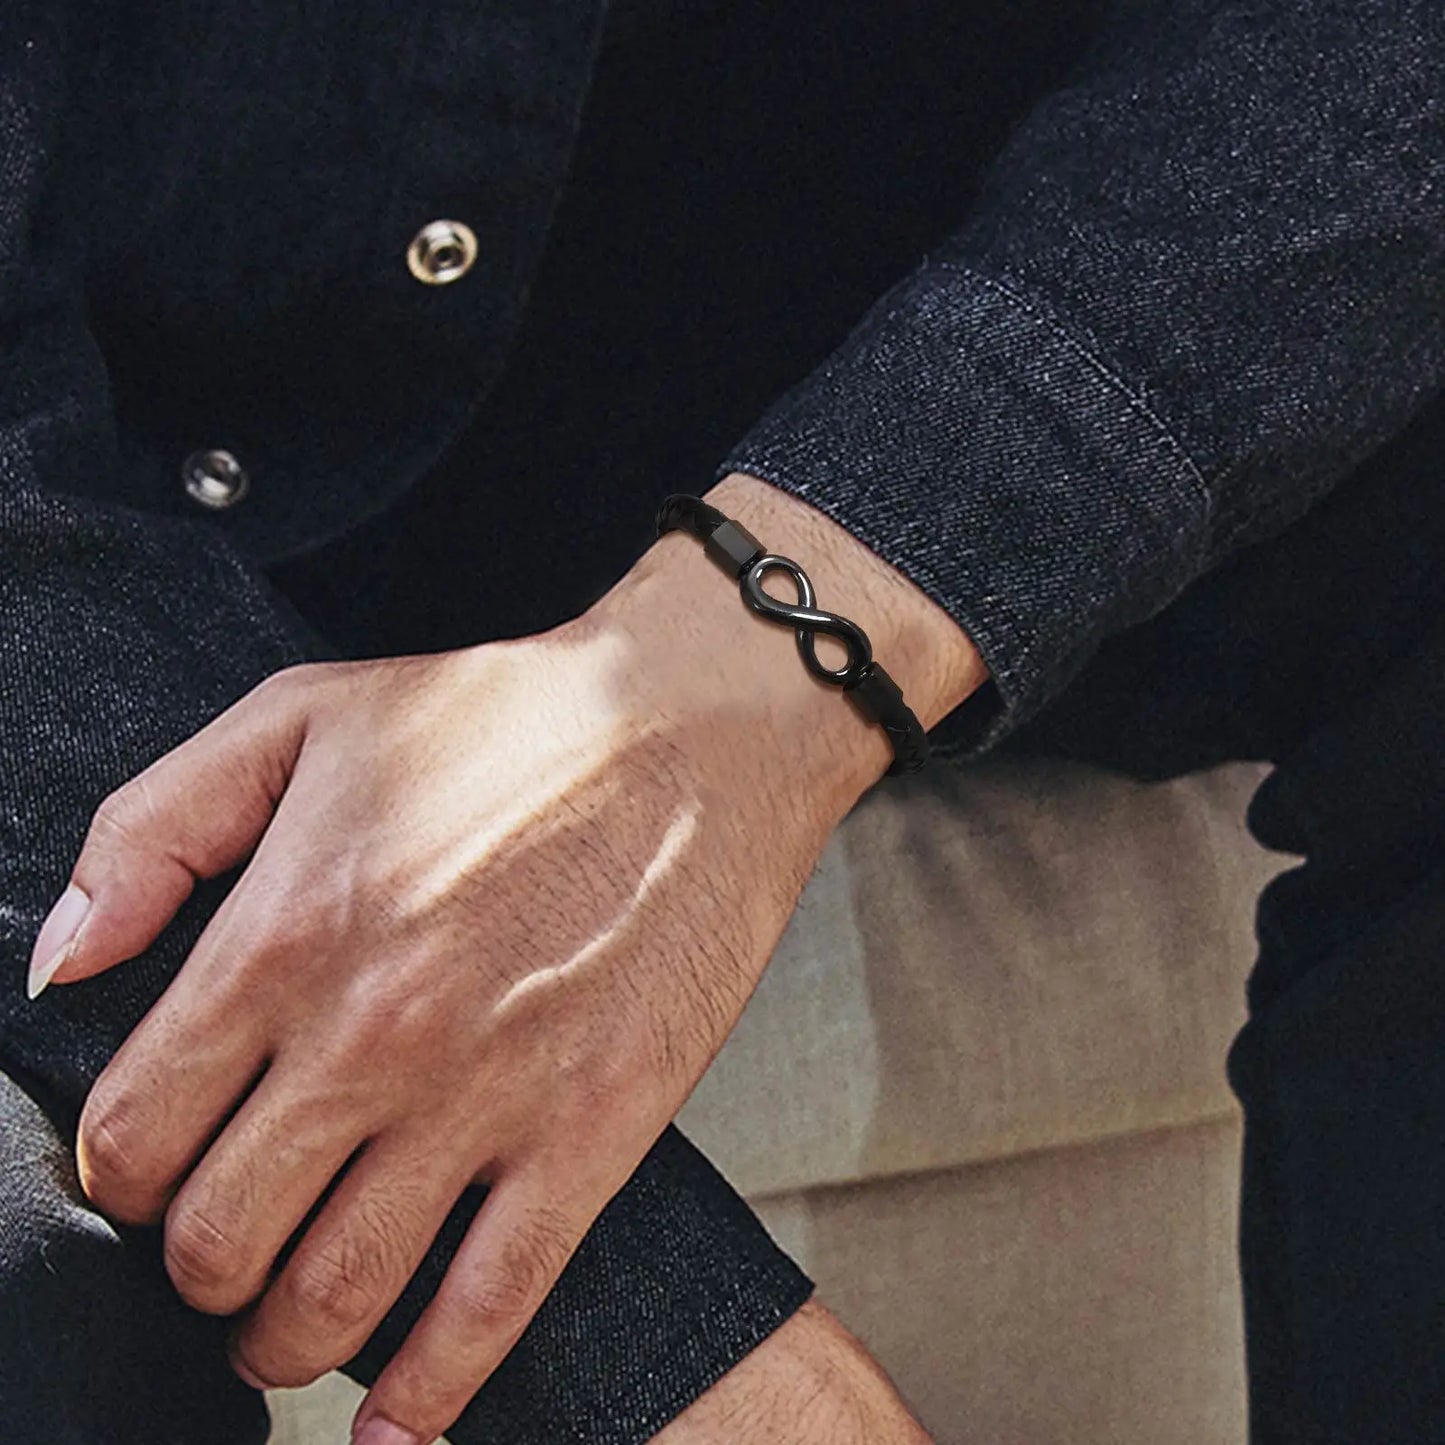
865 682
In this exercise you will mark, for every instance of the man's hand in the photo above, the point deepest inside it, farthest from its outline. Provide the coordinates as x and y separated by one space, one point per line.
500 908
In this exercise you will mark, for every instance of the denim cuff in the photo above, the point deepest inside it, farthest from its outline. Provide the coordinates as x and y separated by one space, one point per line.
675 1283
970 440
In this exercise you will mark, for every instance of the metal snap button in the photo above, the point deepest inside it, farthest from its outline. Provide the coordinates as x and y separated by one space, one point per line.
215 478
442 252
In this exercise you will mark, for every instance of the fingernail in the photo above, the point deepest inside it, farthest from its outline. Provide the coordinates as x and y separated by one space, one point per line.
56 935
380 1431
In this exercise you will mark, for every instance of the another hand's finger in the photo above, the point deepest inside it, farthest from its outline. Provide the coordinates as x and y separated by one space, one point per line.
353 1261
231 1219
193 813
512 1255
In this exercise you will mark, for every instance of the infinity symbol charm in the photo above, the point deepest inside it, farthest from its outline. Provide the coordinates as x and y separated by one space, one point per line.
806 620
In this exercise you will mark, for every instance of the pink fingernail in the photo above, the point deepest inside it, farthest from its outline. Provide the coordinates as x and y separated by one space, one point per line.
56 935
380 1431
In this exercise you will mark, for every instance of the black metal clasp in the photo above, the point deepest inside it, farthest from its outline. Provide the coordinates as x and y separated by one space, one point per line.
807 620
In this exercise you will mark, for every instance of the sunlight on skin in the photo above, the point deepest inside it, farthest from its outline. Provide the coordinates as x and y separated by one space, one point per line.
678 834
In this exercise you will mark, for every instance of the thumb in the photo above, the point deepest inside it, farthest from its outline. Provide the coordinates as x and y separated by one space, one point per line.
194 812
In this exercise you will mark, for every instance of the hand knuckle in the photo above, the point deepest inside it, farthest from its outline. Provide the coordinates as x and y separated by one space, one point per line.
517 1281
203 1261
390 1223
503 1291
121 813
283 1369
113 1146
292 683
338 1288
284 681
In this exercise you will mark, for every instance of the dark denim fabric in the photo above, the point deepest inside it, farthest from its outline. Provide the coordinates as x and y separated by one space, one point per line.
1204 279
666 312
91 1327
1200 280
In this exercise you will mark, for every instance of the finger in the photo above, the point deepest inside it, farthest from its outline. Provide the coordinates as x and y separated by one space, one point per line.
352 1262
164 1094
192 813
231 1219
195 1056
506 1266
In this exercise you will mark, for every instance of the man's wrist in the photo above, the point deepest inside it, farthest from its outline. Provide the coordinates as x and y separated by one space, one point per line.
809 1383
698 652
925 651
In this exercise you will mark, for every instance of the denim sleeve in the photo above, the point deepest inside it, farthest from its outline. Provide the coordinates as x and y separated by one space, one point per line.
1204 278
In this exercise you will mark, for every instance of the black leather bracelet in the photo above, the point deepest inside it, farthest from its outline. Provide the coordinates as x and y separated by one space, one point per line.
747 561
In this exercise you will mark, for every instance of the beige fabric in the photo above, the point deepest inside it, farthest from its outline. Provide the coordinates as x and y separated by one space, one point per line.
998 1021
1081 1296
989 960
318 1415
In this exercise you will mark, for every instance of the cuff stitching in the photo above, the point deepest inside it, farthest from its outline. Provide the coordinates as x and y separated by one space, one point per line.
1026 303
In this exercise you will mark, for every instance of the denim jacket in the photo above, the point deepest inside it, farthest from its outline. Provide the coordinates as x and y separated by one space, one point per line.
1204 277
